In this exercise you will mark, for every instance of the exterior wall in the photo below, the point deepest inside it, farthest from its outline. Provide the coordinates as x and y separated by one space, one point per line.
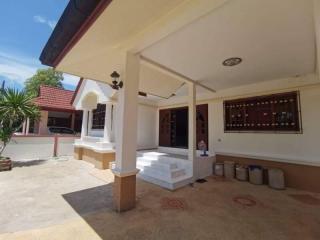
294 148
94 92
43 129
147 122
297 154
147 130
38 147
297 176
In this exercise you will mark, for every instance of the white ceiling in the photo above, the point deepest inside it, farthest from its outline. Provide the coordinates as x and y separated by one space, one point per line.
274 38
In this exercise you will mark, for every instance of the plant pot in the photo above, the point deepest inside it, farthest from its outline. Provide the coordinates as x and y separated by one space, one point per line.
5 164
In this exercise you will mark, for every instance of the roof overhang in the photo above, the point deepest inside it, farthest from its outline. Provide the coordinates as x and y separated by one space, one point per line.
94 45
190 37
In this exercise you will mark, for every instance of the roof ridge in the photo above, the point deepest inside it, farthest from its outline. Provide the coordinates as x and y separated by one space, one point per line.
53 87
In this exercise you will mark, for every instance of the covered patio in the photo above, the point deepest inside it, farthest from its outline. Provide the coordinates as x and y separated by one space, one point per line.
180 53
72 200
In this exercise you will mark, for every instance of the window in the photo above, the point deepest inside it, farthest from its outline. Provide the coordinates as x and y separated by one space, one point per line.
271 113
98 116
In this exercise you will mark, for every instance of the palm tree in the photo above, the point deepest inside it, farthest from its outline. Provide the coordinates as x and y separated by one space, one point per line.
15 107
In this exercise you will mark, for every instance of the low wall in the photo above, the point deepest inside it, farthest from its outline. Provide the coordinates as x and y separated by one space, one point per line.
39 147
298 176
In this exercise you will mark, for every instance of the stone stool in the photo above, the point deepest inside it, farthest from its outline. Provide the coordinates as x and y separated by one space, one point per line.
241 173
255 174
229 171
276 178
218 169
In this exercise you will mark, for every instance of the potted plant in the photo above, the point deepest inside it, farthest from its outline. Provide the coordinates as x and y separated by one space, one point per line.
15 107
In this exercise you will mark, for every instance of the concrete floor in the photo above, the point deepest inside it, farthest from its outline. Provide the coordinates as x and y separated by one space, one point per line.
72 200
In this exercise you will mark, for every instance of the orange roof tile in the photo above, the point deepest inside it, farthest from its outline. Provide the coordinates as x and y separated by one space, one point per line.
54 98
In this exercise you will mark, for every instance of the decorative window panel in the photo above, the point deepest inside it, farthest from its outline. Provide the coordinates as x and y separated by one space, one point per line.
98 116
270 113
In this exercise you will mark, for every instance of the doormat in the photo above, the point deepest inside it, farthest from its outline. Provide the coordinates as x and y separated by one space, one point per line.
173 203
306 199
202 180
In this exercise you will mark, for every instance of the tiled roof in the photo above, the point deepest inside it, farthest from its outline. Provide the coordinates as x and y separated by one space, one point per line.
54 98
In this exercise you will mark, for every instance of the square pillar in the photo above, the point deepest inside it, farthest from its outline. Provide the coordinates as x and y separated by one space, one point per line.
192 145
124 189
24 127
107 134
27 126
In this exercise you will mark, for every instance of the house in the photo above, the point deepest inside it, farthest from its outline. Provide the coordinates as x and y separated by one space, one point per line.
98 101
56 110
253 65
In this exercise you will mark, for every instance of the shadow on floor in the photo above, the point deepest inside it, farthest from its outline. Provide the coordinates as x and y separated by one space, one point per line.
90 200
28 163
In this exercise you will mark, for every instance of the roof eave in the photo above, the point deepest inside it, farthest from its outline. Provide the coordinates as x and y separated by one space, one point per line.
76 19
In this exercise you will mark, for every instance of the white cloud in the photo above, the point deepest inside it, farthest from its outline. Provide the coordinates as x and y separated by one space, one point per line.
16 68
39 19
44 20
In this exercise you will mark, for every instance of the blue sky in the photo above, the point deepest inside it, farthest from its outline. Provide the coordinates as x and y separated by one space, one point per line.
25 27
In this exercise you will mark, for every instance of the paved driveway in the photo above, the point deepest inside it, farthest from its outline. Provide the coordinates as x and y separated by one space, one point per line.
34 194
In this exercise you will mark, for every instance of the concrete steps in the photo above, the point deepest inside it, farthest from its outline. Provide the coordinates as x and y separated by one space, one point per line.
164 170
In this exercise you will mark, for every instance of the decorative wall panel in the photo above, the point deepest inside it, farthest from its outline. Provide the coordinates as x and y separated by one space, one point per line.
270 113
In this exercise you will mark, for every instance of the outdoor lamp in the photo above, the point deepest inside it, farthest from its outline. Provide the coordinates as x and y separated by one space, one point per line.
116 84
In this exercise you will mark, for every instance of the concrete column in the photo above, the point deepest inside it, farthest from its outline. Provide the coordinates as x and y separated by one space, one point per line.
43 128
24 127
27 126
84 127
107 123
124 188
192 145
90 117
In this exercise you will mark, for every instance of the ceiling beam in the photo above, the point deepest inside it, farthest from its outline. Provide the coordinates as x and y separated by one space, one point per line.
166 70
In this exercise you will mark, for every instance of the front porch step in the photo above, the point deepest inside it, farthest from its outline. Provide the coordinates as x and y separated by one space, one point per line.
164 170
145 162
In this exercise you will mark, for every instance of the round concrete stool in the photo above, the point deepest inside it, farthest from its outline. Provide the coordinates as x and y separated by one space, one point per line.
255 174
276 178
229 169
218 169
241 173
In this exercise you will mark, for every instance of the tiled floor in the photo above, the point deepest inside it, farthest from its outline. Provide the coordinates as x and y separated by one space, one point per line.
217 209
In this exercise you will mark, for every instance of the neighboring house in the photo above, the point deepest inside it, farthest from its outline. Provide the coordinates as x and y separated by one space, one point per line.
98 101
254 65
56 110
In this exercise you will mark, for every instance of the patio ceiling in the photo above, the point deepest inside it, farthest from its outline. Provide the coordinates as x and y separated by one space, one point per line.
274 38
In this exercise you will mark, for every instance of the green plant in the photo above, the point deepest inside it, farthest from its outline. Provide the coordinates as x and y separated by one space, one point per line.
48 77
15 107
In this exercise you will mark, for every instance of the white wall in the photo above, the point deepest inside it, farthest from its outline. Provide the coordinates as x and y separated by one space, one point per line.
295 148
147 127
299 148
38 147
147 131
